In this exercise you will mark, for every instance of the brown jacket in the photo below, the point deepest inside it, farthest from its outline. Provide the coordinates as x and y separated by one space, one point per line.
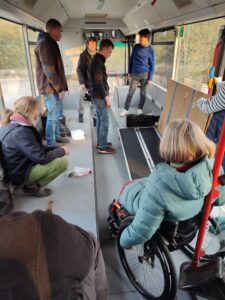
42 257
49 66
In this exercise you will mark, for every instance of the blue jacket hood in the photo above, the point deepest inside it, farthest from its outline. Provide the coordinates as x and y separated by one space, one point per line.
42 35
192 184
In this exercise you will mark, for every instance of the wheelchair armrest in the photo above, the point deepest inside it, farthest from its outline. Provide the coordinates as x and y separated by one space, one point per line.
126 222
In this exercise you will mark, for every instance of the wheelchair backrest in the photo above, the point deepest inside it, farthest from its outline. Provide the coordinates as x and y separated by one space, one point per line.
180 233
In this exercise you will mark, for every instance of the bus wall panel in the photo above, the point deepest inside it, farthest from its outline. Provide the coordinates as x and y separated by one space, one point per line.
180 102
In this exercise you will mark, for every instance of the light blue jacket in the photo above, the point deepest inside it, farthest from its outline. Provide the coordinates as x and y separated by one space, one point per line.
165 195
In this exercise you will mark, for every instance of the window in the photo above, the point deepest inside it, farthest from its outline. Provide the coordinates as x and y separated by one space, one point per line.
163 42
196 47
13 65
32 40
116 65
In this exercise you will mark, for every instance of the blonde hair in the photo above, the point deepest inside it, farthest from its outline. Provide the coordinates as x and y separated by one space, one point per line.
184 141
25 106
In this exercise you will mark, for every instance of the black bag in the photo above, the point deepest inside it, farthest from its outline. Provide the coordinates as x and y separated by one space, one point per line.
141 120
6 201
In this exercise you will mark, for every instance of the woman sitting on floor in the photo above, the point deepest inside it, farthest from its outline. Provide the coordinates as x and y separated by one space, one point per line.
26 161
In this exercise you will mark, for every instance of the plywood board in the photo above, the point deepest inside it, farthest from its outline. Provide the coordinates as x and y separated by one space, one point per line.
181 102
167 105
195 114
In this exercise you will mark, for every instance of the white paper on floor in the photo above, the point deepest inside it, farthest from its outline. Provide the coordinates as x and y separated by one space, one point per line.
78 172
77 134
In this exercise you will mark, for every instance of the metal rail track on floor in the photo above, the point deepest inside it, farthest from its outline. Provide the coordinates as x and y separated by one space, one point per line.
141 150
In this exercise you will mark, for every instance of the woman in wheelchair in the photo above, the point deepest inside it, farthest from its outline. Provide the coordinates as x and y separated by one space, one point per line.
175 191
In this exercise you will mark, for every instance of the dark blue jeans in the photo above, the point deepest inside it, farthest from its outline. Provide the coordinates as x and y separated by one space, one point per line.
102 122
135 80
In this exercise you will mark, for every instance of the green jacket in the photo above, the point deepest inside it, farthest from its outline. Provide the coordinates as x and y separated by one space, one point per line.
165 195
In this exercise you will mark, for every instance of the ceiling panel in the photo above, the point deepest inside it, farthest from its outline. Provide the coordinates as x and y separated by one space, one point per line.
113 8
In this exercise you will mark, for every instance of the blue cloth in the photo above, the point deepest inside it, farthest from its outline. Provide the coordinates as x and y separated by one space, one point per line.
142 60
165 195
214 129
54 106
102 122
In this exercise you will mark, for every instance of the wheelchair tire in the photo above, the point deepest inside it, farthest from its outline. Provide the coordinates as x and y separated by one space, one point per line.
211 243
158 268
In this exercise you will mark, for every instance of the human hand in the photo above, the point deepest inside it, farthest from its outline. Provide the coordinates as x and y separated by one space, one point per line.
62 95
82 87
108 102
217 79
149 82
66 150
129 76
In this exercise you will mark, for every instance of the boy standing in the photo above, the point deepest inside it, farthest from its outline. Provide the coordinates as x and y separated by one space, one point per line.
141 70
100 95
83 72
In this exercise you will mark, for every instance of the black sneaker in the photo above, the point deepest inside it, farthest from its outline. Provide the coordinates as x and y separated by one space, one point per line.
80 118
109 144
106 150
36 190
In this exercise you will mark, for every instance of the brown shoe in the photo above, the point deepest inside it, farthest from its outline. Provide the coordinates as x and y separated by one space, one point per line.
62 140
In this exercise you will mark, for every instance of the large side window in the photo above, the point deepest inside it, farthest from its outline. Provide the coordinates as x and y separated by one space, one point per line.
14 74
32 40
163 42
116 65
196 45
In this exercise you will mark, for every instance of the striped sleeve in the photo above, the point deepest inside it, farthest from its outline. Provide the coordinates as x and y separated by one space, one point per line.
214 103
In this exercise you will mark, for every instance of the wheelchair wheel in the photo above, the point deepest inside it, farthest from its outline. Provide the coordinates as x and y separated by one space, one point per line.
211 243
150 269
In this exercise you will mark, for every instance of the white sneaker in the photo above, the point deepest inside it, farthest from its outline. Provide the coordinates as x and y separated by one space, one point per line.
140 112
124 112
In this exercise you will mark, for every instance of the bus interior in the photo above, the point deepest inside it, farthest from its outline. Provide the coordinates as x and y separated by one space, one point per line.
185 34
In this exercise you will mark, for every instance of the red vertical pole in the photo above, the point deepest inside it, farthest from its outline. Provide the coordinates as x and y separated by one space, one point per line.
212 195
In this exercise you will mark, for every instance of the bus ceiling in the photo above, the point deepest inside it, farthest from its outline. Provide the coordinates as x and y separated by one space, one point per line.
128 15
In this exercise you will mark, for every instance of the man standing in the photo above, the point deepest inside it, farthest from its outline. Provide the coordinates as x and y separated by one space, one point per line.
100 95
83 72
51 78
141 70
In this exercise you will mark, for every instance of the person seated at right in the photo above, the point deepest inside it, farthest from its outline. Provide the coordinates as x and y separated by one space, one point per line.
26 161
216 105
176 190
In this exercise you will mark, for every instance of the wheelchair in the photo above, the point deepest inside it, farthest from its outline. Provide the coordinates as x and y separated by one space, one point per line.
150 266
